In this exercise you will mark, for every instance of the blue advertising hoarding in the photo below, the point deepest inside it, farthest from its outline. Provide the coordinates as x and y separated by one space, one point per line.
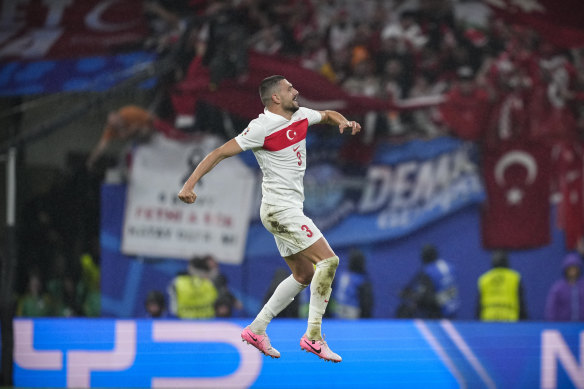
84 353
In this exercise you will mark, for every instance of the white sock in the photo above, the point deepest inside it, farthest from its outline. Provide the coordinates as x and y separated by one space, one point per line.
320 292
282 297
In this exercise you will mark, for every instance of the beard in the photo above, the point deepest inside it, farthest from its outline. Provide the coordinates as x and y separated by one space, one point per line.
291 107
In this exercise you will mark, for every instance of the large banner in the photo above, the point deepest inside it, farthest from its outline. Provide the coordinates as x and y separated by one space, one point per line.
158 224
66 29
406 187
78 353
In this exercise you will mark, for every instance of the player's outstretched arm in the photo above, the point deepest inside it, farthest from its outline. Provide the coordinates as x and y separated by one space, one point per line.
335 118
228 149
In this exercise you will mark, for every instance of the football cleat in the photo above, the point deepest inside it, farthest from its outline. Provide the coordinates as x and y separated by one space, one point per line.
319 348
261 342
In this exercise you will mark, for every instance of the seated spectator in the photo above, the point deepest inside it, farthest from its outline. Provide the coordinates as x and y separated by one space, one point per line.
501 296
155 305
407 30
565 300
35 302
62 289
433 292
193 295
353 291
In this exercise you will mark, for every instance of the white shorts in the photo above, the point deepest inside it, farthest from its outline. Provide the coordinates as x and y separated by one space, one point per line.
292 229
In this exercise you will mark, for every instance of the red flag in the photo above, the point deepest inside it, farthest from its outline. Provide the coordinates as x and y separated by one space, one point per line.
69 29
559 22
466 114
570 169
241 97
517 211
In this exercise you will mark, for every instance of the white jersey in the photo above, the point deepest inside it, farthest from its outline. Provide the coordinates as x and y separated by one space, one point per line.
279 146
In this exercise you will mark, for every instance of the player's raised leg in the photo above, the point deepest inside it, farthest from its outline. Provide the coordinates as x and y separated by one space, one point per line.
255 333
326 263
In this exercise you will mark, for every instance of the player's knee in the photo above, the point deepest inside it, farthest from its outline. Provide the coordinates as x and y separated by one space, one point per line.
305 278
332 262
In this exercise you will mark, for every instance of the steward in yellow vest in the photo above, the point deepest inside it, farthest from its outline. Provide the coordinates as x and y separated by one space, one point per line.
501 292
193 295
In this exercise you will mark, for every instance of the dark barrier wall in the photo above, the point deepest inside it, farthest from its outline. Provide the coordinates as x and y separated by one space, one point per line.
84 353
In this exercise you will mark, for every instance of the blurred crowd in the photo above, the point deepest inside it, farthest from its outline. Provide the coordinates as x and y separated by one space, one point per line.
497 80
491 81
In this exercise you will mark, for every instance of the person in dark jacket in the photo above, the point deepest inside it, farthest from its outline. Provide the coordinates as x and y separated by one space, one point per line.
353 296
433 292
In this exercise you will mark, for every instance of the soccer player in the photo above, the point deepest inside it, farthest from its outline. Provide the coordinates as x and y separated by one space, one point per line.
278 140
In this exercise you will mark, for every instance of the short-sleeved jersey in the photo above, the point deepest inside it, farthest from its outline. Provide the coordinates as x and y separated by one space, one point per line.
279 146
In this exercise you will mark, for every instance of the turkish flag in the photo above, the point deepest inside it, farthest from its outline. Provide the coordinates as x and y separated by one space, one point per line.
559 22
516 213
70 29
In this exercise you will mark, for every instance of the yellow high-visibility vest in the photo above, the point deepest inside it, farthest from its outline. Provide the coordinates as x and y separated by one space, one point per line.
499 295
195 297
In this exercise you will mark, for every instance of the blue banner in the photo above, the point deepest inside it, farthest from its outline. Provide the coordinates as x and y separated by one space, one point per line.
84 353
87 74
407 186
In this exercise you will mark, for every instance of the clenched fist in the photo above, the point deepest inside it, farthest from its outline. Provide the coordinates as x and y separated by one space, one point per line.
187 196
353 126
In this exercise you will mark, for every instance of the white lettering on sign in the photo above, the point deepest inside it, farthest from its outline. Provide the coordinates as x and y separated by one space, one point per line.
412 184
25 354
247 372
554 351
81 363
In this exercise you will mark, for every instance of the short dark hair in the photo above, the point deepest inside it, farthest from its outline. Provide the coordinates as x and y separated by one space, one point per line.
267 88
357 261
199 263
500 259
155 296
429 253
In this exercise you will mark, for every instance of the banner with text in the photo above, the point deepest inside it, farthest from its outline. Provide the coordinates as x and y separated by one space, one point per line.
405 188
158 224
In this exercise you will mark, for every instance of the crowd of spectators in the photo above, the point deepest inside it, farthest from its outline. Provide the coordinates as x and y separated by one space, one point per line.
496 81
499 75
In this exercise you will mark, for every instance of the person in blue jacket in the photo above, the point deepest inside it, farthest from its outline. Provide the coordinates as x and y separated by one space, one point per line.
433 292
353 292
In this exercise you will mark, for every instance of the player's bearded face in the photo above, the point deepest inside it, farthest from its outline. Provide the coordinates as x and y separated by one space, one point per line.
289 97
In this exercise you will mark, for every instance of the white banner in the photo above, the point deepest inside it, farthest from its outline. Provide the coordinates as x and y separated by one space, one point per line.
158 224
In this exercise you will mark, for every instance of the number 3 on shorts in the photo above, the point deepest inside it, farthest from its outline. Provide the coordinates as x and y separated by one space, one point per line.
308 232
